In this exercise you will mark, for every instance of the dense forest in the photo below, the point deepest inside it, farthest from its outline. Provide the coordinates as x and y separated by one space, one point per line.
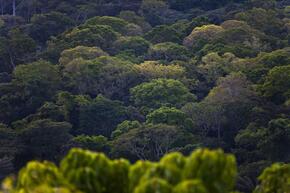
140 80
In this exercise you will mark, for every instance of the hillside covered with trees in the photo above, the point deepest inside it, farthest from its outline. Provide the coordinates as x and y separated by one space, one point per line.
141 79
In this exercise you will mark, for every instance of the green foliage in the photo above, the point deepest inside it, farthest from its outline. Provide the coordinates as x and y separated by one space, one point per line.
166 115
117 24
271 142
93 172
120 77
149 70
132 17
39 77
168 51
276 58
150 142
93 143
101 116
124 127
276 84
190 186
86 53
216 170
160 92
83 171
136 45
43 139
262 19
33 174
110 76
16 48
101 36
163 33
152 10
275 179
154 185
43 26
200 35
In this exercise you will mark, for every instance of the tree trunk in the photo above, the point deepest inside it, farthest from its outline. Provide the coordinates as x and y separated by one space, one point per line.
14 7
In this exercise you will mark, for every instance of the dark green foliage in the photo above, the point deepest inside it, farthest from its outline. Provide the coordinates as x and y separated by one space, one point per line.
164 33
43 139
101 116
276 85
136 45
43 26
93 143
150 142
17 48
31 86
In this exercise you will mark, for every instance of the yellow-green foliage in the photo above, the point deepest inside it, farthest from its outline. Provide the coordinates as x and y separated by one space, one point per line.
275 179
204 171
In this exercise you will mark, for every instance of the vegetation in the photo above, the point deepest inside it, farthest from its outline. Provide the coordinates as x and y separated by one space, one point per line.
83 171
140 79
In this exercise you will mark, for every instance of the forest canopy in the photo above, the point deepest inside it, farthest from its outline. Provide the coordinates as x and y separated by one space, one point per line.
144 82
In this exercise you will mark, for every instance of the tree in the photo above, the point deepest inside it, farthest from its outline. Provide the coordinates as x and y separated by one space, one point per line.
190 186
93 143
17 48
8 149
276 84
136 45
154 185
161 92
31 86
234 95
43 139
108 175
101 36
274 179
101 116
201 35
117 24
166 115
265 141
203 160
206 118
153 70
40 80
152 11
43 26
132 17
168 51
214 66
8 142
83 52
262 19
125 127
109 76
163 33
84 171
150 142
